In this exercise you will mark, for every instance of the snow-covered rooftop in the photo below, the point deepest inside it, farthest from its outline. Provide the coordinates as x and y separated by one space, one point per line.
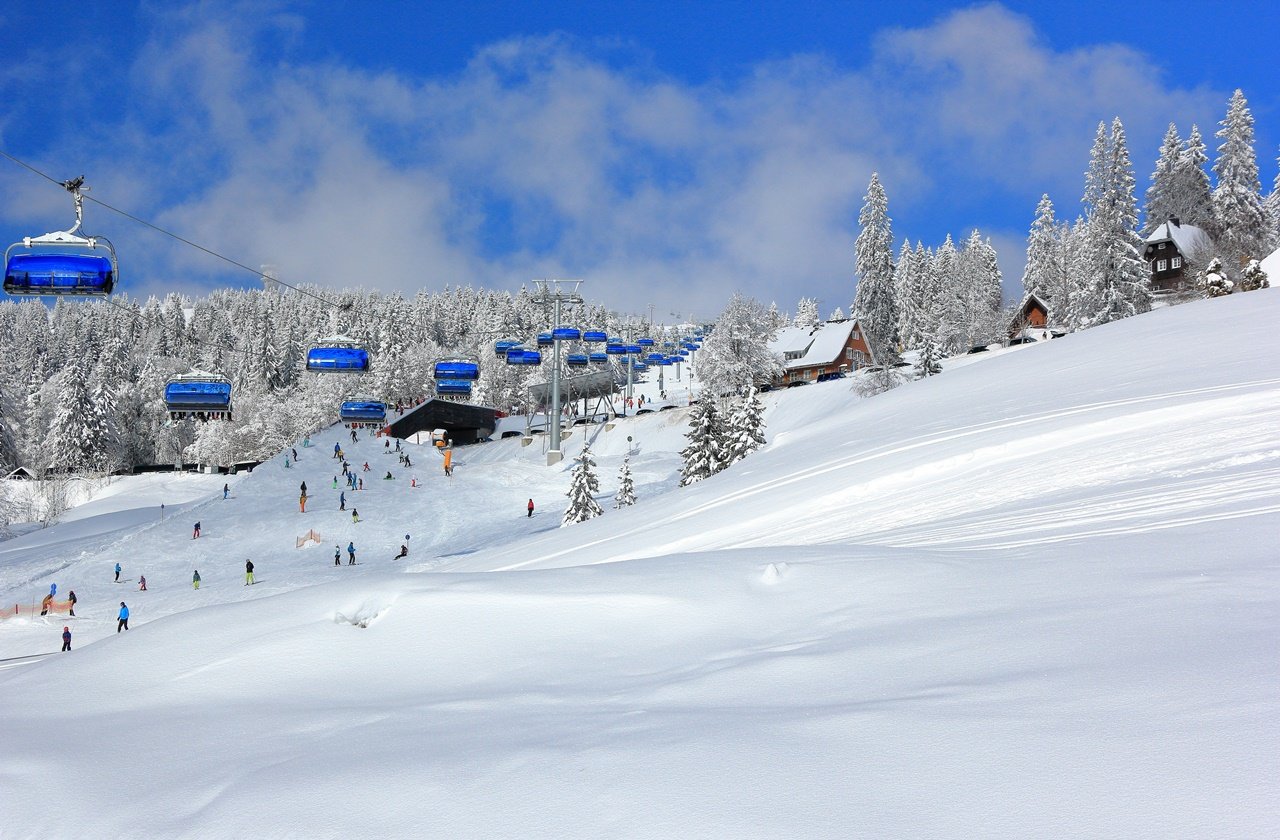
1186 238
817 345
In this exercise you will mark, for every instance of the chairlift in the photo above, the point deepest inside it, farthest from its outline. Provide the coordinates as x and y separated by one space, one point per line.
654 357
501 346
576 360
458 369
566 334
594 336
198 394
523 356
363 411
449 387
63 263
546 339
338 354
644 341
598 358
615 348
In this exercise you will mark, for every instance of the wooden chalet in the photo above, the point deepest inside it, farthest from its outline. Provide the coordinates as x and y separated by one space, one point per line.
1031 316
1166 250
810 354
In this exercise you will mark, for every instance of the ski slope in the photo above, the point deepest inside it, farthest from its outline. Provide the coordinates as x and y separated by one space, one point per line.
1034 596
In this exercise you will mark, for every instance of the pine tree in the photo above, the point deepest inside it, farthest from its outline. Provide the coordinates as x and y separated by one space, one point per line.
906 286
1253 277
1117 282
1237 200
873 304
1191 197
626 495
1213 280
930 362
1046 274
69 444
1160 195
1273 210
807 315
746 429
736 355
582 485
702 454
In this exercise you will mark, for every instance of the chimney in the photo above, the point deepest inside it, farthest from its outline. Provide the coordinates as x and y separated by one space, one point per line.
1173 220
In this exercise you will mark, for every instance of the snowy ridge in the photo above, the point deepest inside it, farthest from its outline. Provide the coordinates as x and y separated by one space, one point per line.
1033 596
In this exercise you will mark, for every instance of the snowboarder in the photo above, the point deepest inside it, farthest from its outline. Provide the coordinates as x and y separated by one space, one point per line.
355 516
66 638
388 476
342 500
386 446
248 572
117 573
351 553
404 552
531 507
122 622
195 532
71 596
337 555
44 604
142 583
226 490
195 579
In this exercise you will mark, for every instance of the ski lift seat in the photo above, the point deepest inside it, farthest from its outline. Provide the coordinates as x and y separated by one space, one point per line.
58 273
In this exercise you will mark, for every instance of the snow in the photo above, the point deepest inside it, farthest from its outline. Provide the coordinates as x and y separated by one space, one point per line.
1271 265
1035 595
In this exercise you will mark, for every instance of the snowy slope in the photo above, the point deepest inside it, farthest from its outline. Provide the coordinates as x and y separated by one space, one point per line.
1034 596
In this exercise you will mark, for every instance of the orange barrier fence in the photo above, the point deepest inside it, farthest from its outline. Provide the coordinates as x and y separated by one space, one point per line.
312 535
34 609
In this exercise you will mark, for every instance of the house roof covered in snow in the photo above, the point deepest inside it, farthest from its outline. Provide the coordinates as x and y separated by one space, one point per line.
1186 238
1271 265
802 347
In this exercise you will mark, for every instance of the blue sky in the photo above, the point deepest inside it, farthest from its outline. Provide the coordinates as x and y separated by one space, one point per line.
668 154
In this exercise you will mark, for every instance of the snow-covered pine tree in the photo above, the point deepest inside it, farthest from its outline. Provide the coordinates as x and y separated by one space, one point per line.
69 445
1253 277
1272 206
873 304
1213 280
951 323
1191 196
1160 206
1118 281
807 315
735 354
582 485
930 361
906 286
746 429
1237 199
702 454
626 495
838 315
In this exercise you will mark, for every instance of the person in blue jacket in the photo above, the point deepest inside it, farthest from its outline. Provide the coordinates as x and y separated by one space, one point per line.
118 573
123 623
66 638
351 553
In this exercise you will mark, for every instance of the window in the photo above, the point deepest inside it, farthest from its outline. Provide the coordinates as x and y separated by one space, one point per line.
1161 245
1176 262
848 352
1161 265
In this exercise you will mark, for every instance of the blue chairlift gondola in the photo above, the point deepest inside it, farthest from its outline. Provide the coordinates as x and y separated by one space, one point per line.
523 356
615 348
447 387
594 336
204 396
545 339
654 357
645 341
338 354
566 334
466 369
599 358
667 361
633 349
576 360
363 411
64 262
501 346
639 366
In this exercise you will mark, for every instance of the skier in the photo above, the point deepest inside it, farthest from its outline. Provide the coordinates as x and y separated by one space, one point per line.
286 462
342 500
531 507
404 552
226 490
351 553
122 622
366 466
337 450
195 579
295 453
195 532
248 572
117 573
302 503
66 638
407 462
142 583
386 446
355 516
337 556
304 488
397 444
71 596
413 482
388 476
361 484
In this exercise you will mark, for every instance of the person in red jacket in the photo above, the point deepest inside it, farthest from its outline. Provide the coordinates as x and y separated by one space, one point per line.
531 507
